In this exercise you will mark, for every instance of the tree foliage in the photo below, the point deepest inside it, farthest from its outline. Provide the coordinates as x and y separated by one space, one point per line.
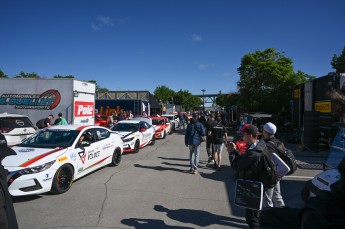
27 75
2 74
187 100
338 62
164 94
266 81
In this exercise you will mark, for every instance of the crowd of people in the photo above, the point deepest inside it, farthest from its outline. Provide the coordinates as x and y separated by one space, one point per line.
250 165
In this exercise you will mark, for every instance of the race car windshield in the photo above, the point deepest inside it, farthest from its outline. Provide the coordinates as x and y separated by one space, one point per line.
157 122
51 139
131 127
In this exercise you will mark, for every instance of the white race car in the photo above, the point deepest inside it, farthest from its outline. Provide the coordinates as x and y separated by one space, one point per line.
136 133
52 158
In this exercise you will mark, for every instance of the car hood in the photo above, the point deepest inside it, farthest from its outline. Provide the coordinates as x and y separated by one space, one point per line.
125 134
29 157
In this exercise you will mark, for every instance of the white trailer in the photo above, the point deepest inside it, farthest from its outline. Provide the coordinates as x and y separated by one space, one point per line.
37 98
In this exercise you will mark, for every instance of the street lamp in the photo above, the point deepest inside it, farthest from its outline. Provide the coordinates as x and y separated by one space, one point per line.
203 100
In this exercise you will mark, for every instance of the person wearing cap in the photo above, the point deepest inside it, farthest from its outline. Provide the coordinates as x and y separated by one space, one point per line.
7 214
275 198
249 165
194 133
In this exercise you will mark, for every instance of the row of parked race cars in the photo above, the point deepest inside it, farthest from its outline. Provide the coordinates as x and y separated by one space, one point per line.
50 159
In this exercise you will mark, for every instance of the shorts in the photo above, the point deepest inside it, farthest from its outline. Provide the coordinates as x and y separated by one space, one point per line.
218 147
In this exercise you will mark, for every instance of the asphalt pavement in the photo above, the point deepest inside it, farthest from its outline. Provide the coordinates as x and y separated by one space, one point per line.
151 189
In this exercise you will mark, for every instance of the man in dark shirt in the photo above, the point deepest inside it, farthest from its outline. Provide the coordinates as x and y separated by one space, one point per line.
209 146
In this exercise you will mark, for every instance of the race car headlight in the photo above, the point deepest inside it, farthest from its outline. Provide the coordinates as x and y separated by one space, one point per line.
128 139
36 169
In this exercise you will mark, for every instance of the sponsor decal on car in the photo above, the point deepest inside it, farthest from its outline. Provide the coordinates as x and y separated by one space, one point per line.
73 156
47 178
93 155
82 156
26 150
61 159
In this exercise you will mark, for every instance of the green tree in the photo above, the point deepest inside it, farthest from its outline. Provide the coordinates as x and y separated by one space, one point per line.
27 75
98 88
164 94
187 100
2 74
338 62
266 81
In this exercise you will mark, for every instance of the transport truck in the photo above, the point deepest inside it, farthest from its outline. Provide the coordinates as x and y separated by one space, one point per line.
38 97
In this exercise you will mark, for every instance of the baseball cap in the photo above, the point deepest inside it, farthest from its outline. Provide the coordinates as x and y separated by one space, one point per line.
270 128
250 129
4 149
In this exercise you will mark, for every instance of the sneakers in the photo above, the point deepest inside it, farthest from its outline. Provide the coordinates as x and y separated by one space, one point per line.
193 171
210 160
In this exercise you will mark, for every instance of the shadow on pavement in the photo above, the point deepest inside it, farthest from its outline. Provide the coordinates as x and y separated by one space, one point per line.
159 168
200 218
174 159
149 224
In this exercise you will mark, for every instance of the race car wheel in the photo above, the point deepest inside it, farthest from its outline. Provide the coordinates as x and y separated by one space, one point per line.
136 146
164 135
63 179
153 140
116 157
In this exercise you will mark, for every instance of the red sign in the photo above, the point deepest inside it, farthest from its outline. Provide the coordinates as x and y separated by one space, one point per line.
83 109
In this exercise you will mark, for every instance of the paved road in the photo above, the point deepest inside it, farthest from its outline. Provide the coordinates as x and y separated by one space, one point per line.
150 189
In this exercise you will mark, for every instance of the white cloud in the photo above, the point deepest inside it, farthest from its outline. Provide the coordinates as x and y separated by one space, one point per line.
205 66
105 21
196 38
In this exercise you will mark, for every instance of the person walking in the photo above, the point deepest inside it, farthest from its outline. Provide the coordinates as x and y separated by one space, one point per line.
194 133
275 198
250 166
60 120
209 145
219 137
8 218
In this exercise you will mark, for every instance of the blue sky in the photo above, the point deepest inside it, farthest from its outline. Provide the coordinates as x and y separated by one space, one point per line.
182 44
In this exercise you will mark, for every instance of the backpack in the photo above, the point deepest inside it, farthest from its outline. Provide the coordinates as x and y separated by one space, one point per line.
286 155
41 123
269 176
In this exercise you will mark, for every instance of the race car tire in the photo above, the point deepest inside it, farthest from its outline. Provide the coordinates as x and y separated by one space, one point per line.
63 179
153 140
164 135
116 159
136 146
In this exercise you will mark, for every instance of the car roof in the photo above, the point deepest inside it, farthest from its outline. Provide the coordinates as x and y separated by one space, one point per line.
144 119
72 127
158 118
5 114
129 121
